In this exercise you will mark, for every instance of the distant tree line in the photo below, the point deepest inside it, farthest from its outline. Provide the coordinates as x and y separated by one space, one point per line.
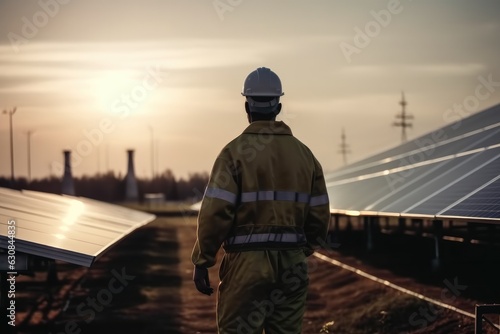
111 188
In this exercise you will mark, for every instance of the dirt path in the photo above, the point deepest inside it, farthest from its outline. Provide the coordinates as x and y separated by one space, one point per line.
144 285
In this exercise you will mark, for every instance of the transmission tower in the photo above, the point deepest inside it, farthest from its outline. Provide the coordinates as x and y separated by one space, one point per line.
344 147
403 119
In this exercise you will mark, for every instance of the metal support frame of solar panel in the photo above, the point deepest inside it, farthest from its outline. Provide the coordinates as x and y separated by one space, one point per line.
66 228
383 183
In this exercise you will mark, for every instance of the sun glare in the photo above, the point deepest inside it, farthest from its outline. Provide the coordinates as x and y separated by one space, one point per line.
75 210
111 87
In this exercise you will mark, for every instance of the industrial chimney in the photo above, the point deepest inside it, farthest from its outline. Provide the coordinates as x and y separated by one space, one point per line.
131 191
68 187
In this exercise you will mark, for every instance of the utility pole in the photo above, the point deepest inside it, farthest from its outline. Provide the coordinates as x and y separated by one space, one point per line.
10 113
157 156
152 153
344 147
98 160
30 132
403 118
107 158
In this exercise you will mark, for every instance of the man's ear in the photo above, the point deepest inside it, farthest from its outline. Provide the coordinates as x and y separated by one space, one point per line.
278 109
247 109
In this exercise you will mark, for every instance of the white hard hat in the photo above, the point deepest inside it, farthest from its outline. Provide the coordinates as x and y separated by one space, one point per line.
262 82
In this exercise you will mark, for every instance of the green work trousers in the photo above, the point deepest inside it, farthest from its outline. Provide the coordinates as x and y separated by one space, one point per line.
262 290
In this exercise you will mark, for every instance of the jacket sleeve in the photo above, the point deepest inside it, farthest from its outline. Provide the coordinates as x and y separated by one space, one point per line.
318 217
217 212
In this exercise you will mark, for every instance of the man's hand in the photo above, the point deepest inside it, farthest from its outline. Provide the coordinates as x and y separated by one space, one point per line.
308 251
200 278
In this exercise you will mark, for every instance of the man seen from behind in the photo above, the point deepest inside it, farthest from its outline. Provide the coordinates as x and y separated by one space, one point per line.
266 203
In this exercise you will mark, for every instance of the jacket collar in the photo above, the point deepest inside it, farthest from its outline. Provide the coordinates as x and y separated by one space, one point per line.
268 127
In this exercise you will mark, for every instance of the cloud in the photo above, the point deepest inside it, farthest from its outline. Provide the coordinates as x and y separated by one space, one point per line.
78 68
50 66
450 69
191 53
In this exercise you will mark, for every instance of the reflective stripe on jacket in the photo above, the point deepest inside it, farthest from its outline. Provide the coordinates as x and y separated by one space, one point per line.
266 190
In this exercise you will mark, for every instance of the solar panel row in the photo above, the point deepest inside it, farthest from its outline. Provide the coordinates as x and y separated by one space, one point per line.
450 172
71 229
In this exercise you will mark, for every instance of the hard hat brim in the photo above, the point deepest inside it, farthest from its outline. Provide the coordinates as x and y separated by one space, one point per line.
263 94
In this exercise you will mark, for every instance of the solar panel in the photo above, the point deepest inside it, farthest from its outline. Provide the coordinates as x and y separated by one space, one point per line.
349 197
437 174
424 149
472 174
71 229
483 203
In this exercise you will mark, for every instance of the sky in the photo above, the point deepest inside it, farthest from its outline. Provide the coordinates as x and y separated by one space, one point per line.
164 77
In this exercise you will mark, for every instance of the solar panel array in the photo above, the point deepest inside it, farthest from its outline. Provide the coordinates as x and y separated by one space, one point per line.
71 229
451 172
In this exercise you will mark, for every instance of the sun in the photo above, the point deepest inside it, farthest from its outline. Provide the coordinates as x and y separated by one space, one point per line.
111 86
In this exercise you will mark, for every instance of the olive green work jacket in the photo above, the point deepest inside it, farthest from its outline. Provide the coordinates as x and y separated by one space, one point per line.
266 191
